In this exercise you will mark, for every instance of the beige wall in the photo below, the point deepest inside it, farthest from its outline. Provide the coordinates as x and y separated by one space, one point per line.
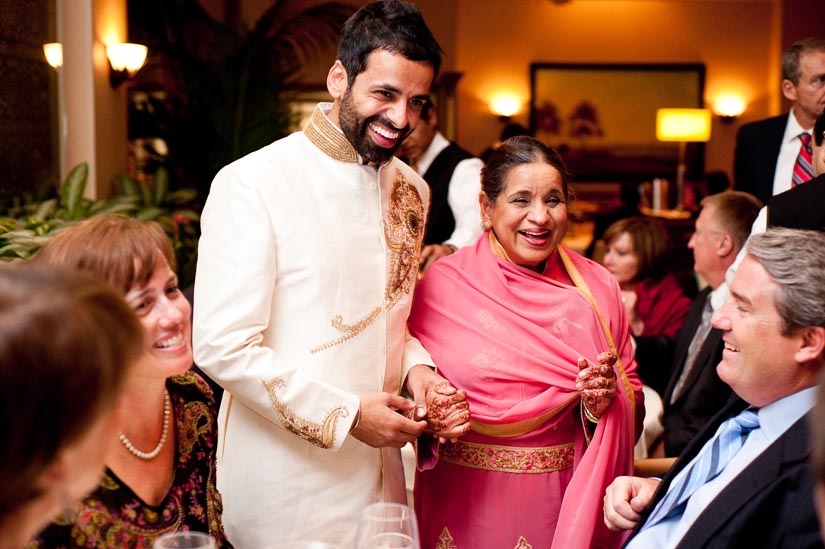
496 42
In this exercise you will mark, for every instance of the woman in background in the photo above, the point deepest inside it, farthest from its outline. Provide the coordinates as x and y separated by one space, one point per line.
161 478
67 344
538 337
637 256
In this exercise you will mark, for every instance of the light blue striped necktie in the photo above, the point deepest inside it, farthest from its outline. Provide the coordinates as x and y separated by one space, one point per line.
711 461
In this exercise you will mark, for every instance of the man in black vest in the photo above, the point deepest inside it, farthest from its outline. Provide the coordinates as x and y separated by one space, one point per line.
454 176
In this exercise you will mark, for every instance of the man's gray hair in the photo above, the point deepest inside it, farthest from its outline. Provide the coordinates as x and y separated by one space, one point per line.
795 259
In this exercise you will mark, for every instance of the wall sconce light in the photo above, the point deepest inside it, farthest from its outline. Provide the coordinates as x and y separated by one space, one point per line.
54 54
682 125
124 61
505 105
728 107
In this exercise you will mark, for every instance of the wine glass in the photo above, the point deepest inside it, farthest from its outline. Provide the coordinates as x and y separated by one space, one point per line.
387 526
185 540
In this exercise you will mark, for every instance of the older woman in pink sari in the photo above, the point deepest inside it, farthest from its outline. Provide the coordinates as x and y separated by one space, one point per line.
538 337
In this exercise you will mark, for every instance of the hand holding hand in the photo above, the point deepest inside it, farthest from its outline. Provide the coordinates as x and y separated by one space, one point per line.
381 425
625 499
448 412
597 383
445 407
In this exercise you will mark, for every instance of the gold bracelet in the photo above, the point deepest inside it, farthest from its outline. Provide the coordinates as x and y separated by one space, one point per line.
591 417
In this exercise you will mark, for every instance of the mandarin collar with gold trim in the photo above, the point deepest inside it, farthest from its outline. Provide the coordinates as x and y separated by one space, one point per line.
329 138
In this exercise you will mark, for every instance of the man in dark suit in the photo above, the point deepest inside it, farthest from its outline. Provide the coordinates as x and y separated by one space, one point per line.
773 327
766 150
454 177
803 207
695 393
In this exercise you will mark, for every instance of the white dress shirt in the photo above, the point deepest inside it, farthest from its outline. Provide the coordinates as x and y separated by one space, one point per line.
787 155
462 195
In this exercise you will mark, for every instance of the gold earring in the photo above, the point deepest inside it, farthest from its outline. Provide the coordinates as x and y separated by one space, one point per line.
486 225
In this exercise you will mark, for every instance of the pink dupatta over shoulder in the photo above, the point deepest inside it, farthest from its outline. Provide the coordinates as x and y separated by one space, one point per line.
511 338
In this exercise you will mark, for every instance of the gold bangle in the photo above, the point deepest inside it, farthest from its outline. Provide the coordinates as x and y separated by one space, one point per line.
591 417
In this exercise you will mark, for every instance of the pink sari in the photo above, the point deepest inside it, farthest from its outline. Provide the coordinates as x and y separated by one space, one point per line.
529 473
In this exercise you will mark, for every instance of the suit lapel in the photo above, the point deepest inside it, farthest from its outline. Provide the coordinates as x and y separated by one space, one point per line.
692 321
705 354
733 407
790 448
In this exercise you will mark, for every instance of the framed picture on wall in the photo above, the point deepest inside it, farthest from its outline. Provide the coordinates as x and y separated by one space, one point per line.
602 117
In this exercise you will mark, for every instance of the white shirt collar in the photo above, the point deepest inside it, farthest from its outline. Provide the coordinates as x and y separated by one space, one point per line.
719 296
793 129
778 416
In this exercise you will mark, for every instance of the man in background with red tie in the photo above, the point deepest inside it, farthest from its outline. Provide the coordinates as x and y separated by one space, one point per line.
804 207
745 480
774 154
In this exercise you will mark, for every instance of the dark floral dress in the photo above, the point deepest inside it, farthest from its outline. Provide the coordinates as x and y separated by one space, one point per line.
114 517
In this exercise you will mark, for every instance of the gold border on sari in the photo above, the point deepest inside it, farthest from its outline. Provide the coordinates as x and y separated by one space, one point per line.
518 428
508 459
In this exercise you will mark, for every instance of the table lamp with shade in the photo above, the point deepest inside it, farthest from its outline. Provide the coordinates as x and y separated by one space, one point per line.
682 126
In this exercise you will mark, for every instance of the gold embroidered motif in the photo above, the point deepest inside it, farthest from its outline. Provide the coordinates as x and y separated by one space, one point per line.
323 134
319 434
403 232
445 540
508 459
349 330
522 544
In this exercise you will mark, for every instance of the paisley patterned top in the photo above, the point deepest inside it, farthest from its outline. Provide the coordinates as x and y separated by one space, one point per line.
115 517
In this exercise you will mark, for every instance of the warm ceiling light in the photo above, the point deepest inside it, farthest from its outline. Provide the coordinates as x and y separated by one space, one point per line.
505 104
125 60
54 54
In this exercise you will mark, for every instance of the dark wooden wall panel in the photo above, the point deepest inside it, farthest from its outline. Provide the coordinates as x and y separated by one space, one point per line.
28 87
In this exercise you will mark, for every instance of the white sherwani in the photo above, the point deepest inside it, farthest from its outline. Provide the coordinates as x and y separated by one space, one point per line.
306 269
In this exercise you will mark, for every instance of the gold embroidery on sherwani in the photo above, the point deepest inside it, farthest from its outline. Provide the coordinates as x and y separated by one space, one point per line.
320 434
349 330
508 459
522 544
445 540
403 231
326 136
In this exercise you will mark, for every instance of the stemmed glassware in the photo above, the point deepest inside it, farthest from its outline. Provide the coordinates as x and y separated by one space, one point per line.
185 540
387 526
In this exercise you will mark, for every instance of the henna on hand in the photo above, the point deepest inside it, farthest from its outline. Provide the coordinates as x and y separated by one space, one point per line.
448 415
597 383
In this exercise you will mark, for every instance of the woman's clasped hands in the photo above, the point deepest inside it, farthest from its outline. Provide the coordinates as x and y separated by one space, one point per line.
448 412
596 383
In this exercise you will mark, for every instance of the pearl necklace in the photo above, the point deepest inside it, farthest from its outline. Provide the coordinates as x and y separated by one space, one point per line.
167 413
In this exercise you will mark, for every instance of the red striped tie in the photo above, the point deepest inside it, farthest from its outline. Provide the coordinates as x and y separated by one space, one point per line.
802 170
